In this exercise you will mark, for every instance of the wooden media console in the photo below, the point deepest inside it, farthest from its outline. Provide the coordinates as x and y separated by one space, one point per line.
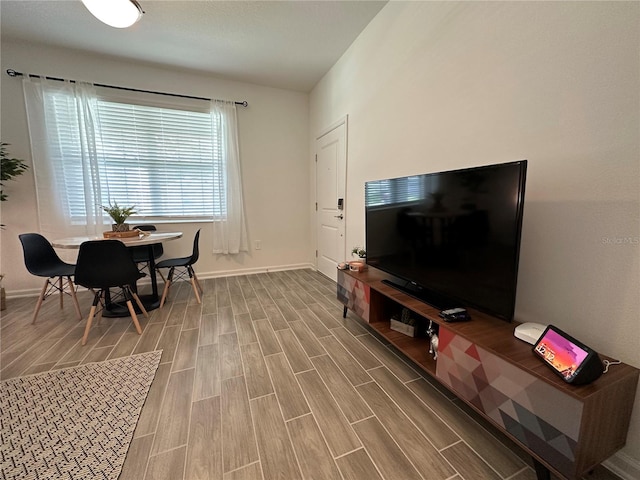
567 429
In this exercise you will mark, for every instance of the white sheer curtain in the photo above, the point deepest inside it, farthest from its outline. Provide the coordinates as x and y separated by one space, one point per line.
229 232
65 132
50 149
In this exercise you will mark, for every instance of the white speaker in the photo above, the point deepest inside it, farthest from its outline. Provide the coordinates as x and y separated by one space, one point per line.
529 332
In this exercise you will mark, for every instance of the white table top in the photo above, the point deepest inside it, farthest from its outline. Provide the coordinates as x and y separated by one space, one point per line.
153 237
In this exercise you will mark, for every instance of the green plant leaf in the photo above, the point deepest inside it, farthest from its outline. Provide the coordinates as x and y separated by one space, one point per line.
10 168
118 214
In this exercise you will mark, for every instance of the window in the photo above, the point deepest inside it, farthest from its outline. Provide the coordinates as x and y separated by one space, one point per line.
165 160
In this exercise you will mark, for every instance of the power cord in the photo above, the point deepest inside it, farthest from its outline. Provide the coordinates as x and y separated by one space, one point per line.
607 363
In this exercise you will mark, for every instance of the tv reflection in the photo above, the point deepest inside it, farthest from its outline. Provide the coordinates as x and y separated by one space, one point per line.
441 237
450 236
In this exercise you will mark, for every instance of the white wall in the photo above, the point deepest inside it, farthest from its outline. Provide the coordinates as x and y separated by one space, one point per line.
273 134
430 86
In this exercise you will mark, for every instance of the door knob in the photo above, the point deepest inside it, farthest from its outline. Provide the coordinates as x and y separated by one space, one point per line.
339 216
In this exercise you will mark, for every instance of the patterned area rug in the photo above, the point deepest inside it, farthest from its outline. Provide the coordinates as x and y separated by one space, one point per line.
75 423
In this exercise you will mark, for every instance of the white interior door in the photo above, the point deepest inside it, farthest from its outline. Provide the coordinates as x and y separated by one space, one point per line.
331 172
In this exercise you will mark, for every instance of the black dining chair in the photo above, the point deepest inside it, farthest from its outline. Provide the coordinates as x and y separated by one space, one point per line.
187 264
141 254
105 264
42 260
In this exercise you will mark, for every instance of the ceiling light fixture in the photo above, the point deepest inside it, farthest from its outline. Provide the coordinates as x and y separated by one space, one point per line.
116 13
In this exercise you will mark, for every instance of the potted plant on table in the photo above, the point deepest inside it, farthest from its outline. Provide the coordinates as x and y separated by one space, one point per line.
119 216
358 265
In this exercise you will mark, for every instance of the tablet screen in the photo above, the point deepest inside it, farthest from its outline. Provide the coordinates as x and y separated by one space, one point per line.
562 354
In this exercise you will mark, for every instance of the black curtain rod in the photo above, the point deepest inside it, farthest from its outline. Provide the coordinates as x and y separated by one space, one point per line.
12 73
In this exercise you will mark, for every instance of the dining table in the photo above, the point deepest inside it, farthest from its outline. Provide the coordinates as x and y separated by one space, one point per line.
149 239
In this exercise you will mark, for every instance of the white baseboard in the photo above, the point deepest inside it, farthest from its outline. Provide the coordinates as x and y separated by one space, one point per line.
252 271
34 292
624 466
29 292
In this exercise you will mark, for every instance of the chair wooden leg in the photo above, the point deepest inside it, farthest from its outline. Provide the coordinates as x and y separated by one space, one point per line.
164 292
134 317
88 327
167 284
92 312
195 289
72 287
140 305
96 301
194 282
198 283
99 313
40 300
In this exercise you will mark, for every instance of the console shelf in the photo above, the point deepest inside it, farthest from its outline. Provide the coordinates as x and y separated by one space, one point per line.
568 430
417 349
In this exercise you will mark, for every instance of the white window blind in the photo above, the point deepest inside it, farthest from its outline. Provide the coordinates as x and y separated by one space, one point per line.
393 191
164 161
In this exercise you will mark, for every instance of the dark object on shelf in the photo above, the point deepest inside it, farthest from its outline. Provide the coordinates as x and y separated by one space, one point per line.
455 315
420 293
572 360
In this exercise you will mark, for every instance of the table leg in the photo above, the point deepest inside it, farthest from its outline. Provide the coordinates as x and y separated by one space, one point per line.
152 274
150 302
113 309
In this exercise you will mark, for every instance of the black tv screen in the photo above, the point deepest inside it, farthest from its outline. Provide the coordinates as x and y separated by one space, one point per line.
450 238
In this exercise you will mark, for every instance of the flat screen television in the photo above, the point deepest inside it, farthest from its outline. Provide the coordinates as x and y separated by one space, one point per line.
450 238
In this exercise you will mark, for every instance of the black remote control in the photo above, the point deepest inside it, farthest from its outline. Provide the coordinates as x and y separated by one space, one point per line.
455 315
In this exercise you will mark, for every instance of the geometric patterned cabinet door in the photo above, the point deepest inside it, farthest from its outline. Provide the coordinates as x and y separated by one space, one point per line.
354 294
540 416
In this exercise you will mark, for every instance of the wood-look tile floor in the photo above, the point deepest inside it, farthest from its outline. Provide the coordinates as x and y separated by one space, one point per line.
266 380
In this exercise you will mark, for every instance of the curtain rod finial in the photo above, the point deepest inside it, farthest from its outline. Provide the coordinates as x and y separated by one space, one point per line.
12 73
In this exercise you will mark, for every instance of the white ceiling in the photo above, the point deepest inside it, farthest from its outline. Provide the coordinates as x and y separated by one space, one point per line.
283 44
